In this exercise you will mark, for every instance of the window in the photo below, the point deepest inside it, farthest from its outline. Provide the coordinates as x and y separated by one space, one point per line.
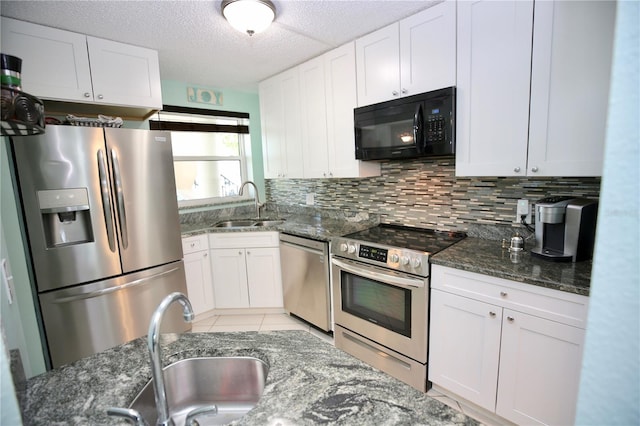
209 152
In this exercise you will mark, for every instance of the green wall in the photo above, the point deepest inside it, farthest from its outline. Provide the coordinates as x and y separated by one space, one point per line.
26 313
175 93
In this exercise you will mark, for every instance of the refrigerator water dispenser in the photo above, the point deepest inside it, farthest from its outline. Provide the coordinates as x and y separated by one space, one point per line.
66 216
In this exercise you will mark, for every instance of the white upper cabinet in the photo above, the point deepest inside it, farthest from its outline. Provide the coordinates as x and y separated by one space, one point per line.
494 63
571 69
69 67
532 96
328 97
281 130
314 118
124 74
415 55
55 63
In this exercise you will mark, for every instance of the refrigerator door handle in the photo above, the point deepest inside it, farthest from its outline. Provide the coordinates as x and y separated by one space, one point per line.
106 200
122 214
108 290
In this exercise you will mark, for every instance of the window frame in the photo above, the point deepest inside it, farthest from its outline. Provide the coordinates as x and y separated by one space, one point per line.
242 130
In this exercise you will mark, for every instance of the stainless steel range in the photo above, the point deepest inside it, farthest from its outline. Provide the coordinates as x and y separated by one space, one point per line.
381 297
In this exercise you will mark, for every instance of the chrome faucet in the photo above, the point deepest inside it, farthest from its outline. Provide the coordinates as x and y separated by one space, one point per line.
154 352
255 188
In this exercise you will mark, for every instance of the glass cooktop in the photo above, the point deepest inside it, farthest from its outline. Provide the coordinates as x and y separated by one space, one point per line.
403 237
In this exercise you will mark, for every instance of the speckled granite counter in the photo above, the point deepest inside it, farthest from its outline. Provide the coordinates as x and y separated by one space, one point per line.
489 258
309 382
309 226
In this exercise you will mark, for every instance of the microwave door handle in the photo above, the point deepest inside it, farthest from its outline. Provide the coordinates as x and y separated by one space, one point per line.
418 121
122 214
106 200
386 278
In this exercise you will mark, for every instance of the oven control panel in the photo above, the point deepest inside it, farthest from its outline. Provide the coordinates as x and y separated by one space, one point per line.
401 260
373 253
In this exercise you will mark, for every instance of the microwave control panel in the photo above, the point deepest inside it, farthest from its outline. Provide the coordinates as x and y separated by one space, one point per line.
436 124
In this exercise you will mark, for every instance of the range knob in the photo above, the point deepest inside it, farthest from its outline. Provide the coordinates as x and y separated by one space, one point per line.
352 248
394 258
343 247
415 262
405 260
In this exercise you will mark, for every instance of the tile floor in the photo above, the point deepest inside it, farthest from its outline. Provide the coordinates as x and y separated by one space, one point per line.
210 322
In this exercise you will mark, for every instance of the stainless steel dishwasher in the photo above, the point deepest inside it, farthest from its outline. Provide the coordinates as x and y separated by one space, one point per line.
305 279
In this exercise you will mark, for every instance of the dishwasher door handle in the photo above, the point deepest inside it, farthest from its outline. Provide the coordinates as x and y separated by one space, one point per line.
296 246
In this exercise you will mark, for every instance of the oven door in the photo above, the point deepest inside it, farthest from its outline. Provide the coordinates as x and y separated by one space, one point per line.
385 306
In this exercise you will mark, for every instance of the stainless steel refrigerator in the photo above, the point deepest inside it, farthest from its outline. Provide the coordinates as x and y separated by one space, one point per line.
101 221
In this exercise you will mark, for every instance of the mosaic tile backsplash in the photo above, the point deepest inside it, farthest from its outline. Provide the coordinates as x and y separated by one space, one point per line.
427 194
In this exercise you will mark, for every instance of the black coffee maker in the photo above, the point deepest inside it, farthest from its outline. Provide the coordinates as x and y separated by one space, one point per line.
565 228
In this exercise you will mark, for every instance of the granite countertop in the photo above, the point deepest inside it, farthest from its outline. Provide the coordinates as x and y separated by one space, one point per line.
489 258
309 226
309 382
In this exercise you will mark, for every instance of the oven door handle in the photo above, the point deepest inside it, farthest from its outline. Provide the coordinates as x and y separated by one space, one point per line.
378 276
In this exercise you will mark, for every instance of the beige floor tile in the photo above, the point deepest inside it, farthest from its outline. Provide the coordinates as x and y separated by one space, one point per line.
205 321
240 320
232 328
270 319
279 327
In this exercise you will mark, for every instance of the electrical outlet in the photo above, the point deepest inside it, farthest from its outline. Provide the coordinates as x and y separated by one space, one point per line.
311 199
523 209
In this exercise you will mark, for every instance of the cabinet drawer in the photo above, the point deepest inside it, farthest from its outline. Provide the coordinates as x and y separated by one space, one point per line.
194 244
555 305
243 239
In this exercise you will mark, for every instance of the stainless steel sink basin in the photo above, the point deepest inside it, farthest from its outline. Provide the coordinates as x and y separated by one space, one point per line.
233 384
268 222
248 223
234 223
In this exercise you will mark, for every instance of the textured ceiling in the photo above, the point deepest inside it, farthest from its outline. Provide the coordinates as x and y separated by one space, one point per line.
197 45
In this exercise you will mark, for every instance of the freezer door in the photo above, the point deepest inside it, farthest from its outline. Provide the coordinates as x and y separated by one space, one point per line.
87 319
64 186
145 197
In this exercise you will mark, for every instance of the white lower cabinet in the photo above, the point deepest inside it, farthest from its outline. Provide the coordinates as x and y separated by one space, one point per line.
198 273
246 270
512 349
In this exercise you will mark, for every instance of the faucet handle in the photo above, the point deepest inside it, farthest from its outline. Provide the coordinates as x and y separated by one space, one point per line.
206 410
129 414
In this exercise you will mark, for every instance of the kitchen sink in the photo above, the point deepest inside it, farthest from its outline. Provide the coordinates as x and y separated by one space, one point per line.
233 384
234 224
246 223
268 222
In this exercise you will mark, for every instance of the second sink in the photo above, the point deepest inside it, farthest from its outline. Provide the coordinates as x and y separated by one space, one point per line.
233 384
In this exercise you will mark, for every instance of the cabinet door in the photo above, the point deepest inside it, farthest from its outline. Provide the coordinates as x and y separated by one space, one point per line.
572 48
314 118
272 120
291 125
428 49
340 89
378 67
540 362
197 269
493 67
123 74
55 64
281 129
229 278
264 277
464 346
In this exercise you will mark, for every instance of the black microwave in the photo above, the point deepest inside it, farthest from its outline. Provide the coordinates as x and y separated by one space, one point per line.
414 126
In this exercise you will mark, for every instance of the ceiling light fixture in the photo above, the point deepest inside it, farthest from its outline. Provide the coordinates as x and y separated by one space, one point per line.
249 16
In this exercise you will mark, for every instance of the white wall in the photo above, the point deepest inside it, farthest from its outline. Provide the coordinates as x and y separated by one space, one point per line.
610 382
